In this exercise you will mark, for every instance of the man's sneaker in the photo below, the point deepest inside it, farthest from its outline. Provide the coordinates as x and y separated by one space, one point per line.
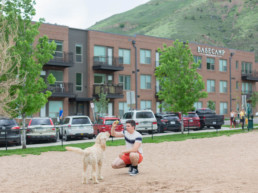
130 169
134 172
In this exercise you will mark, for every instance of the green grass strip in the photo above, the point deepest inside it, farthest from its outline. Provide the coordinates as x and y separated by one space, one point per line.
156 139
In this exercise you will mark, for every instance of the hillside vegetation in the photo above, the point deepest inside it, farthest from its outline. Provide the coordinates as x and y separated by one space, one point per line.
227 23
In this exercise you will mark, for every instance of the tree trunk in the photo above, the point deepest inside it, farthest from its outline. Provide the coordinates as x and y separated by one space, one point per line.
23 132
182 125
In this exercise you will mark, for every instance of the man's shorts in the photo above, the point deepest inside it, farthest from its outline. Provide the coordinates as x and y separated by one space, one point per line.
126 158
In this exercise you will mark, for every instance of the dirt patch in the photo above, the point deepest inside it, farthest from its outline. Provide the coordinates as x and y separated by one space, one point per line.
212 165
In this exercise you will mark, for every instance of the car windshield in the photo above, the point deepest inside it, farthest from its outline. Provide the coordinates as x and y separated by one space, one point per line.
80 120
170 116
144 115
110 121
40 122
7 122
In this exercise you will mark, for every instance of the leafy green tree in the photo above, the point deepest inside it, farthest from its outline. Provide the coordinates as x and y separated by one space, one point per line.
101 103
33 93
181 85
211 105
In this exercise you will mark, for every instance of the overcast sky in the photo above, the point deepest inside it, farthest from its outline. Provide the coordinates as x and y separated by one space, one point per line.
81 13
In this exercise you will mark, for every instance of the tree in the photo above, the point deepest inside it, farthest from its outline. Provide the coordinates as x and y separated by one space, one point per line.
33 93
9 66
211 105
101 103
181 85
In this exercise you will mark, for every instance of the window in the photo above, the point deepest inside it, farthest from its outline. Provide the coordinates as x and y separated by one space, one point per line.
123 107
128 115
145 82
59 49
210 103
58 74
103 55
210 85
223 65
145 56
197 59
223 108
103 79
210 63
236 65
126 81
246 88
223 86
145 104
237 85
124 56
246 67
198 105
53 107
78 82
78 53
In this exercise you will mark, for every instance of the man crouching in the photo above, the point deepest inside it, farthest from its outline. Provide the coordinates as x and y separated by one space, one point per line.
132 156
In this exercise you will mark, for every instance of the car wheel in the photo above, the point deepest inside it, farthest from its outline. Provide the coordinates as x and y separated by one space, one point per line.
90 137
65 137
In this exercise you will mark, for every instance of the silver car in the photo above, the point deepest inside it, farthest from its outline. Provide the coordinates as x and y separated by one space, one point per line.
41 129
76 127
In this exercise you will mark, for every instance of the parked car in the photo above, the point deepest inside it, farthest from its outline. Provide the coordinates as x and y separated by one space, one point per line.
145 120
168 122
41 128
76 127
105 123
10 129
209 118
191 121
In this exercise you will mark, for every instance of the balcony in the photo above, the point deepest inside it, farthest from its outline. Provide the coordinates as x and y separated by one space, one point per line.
112 91
107 63
62 89
248 94
61 59
251 76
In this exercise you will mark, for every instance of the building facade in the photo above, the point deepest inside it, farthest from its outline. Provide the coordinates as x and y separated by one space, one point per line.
107 62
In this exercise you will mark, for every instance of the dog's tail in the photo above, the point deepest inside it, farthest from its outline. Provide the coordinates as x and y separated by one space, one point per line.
75 149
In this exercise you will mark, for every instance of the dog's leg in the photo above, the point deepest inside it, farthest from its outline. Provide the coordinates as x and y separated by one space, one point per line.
94 176
84 177
100 177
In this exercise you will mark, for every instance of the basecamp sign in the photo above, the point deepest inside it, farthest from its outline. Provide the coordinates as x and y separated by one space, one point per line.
210 51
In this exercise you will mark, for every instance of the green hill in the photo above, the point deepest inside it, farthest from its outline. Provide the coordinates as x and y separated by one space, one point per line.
227 23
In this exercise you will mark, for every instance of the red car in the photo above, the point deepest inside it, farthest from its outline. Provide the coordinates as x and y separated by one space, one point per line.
104 124
191 121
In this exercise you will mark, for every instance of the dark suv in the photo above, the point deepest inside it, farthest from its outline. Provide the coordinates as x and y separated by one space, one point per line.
168 122
11 129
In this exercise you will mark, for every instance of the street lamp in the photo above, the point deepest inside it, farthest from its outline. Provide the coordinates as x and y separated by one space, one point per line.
136 70
230 91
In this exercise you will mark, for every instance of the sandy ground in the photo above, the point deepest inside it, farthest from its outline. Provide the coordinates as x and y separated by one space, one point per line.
222 164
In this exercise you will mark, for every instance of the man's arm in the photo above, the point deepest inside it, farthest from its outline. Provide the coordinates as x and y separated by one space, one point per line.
113 132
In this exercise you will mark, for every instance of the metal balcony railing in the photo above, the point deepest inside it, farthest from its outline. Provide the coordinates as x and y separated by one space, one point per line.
62 89
112 91
107 63
249 75
63 59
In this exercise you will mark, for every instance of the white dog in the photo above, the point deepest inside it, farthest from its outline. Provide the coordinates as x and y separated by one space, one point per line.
93 156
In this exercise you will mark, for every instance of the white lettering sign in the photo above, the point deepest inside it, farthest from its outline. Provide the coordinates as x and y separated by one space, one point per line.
210 51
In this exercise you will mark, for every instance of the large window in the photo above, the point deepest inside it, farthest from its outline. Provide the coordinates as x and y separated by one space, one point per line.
237 65
78 53
198 105
223 108
210 63
103 79
223 65
125 55
123 108
126 81
223 86
53 107
58 74
237 85
145 104
246 88
197 59
78 82
145 82
103 55
210 85
246 67
145 56
59 48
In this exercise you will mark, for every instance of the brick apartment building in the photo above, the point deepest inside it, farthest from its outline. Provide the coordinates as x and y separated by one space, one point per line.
88 61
